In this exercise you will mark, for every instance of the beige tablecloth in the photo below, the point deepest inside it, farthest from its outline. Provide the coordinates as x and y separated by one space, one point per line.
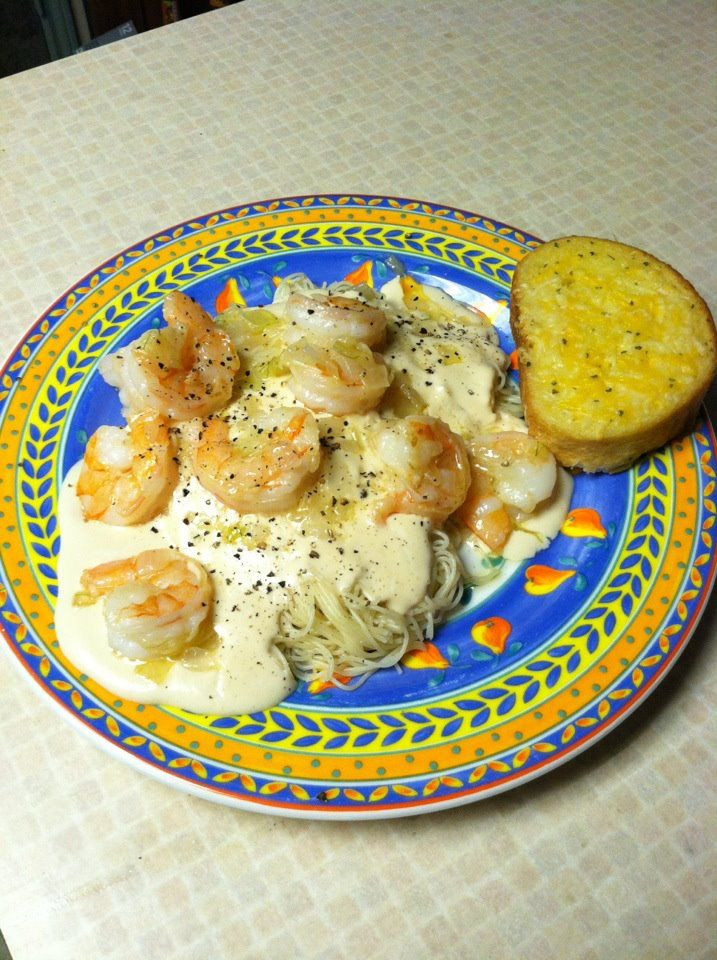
593 117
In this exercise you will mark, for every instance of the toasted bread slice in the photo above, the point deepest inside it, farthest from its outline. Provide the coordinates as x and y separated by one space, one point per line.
616 350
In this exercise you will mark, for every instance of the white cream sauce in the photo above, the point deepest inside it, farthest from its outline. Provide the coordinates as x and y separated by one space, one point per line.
245 673
255 562
446 368
543 524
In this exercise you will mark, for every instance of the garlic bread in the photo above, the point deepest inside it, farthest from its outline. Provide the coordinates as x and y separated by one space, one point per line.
615 348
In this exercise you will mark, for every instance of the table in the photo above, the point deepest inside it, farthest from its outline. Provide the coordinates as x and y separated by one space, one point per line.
592 118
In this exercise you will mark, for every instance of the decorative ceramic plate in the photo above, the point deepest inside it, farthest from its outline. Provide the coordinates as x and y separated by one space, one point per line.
528 673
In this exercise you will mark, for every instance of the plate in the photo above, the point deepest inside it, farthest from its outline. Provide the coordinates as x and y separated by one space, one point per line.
529 672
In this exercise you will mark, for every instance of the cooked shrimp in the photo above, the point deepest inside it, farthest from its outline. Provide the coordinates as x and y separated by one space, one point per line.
433 464
345 377
127 472
155 602
334 317
268 466
184 370
511 474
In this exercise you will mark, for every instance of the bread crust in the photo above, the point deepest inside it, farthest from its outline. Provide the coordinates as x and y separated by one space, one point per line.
605 454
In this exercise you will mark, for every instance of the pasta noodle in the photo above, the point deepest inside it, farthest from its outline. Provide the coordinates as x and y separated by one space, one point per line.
324 633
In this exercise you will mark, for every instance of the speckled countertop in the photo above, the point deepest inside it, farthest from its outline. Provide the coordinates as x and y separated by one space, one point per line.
594 117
